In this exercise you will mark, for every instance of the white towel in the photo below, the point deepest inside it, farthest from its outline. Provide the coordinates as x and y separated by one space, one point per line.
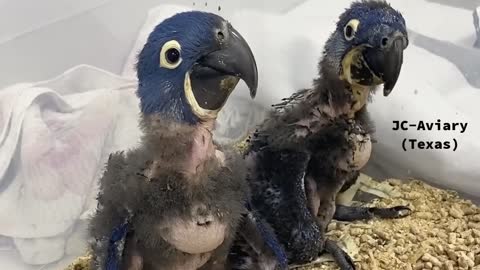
55 137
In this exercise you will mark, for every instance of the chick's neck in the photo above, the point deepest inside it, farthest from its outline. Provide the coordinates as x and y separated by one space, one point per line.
339 97
179 146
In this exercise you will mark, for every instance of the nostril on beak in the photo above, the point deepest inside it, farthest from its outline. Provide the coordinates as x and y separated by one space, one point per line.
384 42
220 36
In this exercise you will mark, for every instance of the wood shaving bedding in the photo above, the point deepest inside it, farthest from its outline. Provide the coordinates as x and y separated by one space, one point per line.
443 232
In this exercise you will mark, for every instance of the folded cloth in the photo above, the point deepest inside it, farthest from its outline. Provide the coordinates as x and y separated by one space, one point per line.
55 137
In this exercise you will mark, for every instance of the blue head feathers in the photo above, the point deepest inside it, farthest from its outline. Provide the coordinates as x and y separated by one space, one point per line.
376 19
190 64
368 43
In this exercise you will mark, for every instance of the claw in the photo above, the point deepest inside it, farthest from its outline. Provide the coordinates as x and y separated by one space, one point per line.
343 260
392 212
352 213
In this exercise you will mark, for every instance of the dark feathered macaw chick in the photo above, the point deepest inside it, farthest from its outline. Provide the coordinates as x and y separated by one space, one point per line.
365 51
179 195
313 144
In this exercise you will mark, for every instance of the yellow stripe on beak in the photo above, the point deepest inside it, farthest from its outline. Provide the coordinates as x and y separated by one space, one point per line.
197 110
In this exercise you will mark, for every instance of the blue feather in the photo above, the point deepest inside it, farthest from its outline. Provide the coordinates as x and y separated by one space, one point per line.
115 251
269 237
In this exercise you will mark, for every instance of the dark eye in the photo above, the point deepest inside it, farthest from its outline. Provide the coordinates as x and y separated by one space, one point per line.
348 32
350 29
172 55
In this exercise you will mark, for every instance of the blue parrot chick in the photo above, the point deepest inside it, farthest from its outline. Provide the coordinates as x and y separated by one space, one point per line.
312 145
175 201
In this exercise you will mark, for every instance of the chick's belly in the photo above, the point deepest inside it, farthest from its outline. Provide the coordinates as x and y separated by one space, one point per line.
200 234
360 153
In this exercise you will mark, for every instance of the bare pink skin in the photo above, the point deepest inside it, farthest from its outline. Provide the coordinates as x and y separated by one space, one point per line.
201 234
363 150
313 196
186 262
321 201
361 154
202 148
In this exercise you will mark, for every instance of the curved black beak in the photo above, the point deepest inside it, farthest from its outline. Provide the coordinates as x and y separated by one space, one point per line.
386 61
234 58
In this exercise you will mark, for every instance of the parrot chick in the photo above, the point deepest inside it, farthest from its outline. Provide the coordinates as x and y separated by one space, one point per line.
313 144
175 201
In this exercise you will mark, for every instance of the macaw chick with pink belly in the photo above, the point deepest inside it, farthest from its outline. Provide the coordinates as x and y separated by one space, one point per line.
175 202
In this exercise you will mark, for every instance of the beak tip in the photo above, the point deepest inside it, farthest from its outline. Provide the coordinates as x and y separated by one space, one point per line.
386 92
252 79
253 92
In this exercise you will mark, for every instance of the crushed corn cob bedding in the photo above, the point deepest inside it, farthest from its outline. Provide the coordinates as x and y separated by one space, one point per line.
443 232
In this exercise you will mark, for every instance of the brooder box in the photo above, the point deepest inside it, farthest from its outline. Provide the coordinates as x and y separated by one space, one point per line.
58 57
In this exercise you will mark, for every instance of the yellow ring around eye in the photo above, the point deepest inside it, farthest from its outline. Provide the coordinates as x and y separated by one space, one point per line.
172 44
353 23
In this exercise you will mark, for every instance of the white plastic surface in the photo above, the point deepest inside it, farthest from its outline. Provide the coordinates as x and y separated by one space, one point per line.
41 39
439 80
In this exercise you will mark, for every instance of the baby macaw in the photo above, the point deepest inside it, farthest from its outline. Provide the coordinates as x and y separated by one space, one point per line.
312 146
176 201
